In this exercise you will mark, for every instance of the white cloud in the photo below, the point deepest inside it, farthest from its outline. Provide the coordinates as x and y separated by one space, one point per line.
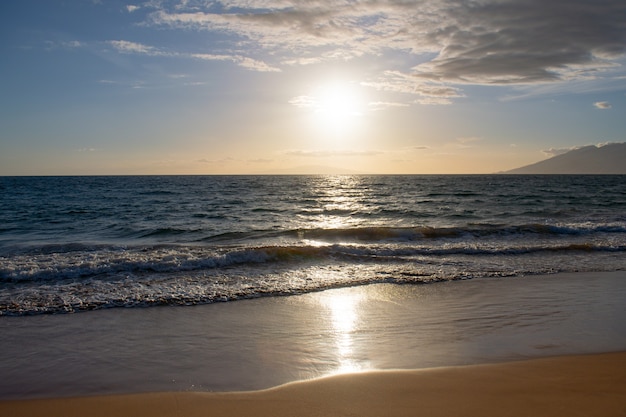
128 47
72 44
382 105
429 91
602 105
51 45
558 151
253 64
329 153
434 101
304 101
216 161
212 57
131 8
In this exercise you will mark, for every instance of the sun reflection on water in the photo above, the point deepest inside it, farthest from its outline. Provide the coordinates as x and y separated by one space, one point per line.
337 198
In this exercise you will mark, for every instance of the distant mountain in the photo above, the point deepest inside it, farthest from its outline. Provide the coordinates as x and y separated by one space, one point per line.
606 159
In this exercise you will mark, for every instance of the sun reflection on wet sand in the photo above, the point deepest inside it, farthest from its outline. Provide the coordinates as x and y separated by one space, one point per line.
344 317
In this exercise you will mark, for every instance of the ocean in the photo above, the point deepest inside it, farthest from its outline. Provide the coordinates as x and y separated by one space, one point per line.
72 244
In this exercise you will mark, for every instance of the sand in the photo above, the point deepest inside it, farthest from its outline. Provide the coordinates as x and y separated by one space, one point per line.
588 385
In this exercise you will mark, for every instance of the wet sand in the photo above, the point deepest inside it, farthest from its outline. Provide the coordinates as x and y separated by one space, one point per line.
590 385
252 345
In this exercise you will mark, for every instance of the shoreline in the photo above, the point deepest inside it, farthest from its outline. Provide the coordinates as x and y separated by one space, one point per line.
582 385
257 344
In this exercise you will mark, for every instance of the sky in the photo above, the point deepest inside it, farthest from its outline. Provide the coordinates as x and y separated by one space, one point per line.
99 87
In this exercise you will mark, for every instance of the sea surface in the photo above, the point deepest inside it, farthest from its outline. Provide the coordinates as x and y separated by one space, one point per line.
70 244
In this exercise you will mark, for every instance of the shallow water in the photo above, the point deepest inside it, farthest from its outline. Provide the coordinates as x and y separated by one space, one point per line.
253 344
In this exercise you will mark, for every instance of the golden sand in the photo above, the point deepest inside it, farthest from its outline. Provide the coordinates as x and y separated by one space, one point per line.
567 386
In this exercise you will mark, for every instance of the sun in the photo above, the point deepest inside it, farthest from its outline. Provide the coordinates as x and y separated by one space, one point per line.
338 101
338 106
336 110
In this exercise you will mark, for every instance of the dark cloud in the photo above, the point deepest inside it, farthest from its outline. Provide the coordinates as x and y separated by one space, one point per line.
483 42
526 41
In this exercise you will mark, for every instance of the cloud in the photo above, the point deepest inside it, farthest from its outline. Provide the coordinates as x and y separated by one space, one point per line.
216 161
425 50
304 101
499 42
329 153
434 101
51 45
382 105
72 44
558 151
430 92
602 105
525 41
242 61
253 64
128 47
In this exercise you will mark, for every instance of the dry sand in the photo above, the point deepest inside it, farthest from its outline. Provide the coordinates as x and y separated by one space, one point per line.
588 385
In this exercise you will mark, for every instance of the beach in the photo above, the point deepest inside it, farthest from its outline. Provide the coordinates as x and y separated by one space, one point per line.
325 208
474 347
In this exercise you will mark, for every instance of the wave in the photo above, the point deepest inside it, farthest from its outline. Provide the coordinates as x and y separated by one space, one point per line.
74 262
77 276
390 234
280 276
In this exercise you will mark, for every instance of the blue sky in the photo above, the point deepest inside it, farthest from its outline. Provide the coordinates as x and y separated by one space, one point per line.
278 86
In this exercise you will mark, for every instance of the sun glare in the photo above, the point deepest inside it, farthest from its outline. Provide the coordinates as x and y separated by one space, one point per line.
344 313
338 107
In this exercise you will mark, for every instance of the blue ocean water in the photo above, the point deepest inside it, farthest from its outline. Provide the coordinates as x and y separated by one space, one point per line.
82 243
